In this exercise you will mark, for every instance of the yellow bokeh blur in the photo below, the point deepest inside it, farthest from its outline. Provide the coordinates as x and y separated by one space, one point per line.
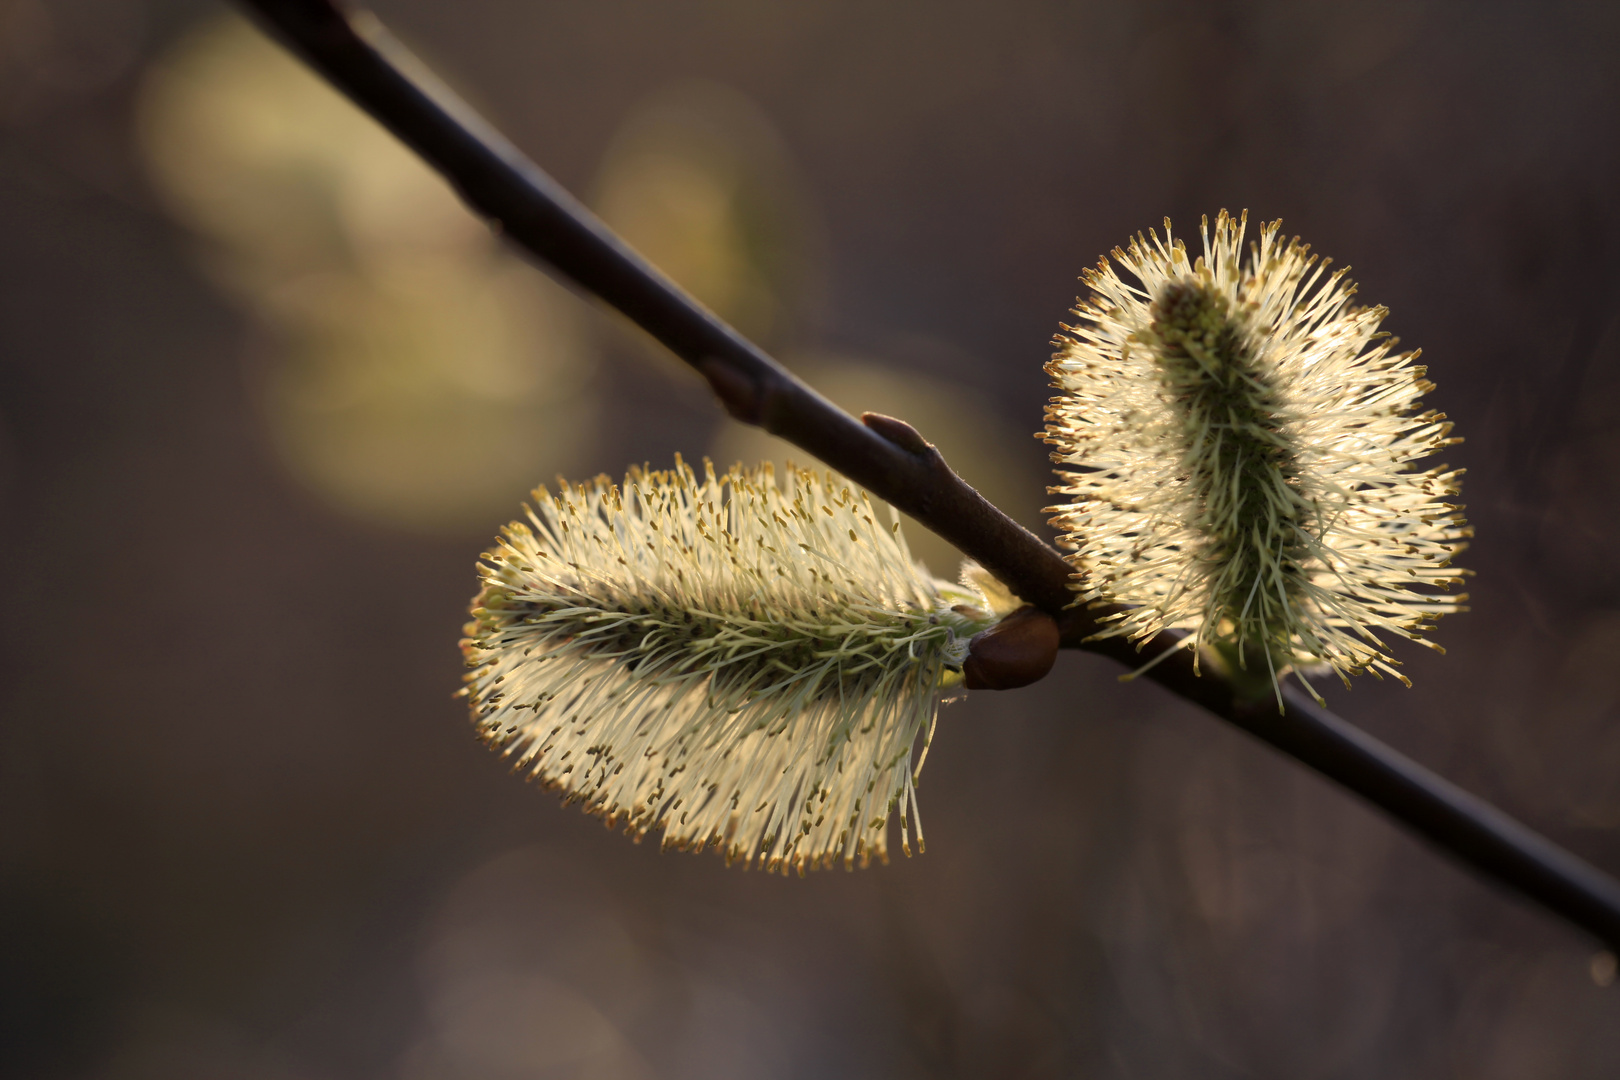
424 378
697 180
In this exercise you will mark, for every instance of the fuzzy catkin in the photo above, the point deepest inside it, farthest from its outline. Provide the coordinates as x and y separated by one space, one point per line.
737 664
1240 442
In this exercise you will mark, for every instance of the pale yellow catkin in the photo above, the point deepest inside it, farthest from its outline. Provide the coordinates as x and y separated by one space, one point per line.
735 663
1239 442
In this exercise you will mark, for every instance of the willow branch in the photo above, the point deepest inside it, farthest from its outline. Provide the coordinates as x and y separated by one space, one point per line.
890 459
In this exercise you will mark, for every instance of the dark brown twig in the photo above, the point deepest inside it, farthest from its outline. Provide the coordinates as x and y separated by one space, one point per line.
893 461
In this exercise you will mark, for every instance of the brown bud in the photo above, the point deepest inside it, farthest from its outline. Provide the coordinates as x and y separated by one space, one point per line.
898 432
1017 651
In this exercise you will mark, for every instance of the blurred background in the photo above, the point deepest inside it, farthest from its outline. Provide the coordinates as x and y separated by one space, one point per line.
266 392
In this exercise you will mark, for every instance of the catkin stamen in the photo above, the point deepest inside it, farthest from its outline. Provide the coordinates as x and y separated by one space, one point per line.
676 655
1241 441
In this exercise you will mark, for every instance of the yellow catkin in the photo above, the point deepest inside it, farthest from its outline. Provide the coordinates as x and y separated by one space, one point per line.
1240 442
734 663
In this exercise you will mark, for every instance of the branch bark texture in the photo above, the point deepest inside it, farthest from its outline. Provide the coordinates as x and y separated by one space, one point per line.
892 460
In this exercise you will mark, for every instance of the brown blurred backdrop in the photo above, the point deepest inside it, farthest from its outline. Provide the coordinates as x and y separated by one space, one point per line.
266 393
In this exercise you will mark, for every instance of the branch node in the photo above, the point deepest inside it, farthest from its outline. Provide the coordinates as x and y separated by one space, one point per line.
897 432
741 396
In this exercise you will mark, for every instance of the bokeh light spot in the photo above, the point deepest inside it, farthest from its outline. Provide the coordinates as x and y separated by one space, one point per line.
421 376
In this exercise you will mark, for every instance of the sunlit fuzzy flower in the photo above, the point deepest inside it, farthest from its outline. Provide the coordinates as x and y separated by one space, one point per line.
1241 441
738 664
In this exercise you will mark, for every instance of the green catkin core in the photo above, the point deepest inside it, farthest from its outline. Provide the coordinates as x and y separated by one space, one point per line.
1240 463
744 653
